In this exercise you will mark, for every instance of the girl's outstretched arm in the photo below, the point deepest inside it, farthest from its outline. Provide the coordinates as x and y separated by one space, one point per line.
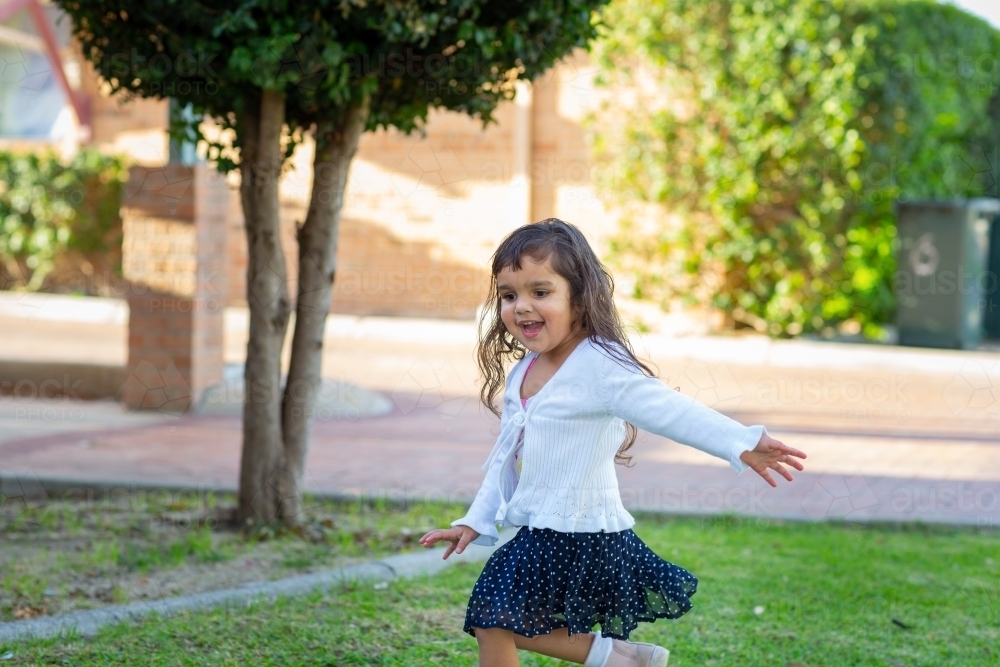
653 406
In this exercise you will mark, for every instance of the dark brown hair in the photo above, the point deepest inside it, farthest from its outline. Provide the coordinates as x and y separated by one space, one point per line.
591 289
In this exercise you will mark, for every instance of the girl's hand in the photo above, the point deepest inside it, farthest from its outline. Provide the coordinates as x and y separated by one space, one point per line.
459 536
770 453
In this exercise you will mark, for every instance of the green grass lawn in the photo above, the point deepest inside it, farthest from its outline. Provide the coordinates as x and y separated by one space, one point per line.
824 594
59 555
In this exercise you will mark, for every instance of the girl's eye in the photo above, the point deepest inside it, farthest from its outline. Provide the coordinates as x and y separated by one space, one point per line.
540 292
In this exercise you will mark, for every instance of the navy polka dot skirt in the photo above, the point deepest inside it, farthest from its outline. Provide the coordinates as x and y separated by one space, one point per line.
543 579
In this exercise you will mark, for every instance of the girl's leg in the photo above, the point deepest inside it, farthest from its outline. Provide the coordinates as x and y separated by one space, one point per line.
498 647
558 644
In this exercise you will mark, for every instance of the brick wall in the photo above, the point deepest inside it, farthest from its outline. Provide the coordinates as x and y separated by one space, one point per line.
422 214
378 273
173 259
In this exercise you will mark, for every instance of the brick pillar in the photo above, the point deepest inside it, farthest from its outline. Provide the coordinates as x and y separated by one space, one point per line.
173 257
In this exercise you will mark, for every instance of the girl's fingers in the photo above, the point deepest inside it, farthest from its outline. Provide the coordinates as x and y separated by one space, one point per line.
790 450
792 462
781 471
432 537
767 477
463 542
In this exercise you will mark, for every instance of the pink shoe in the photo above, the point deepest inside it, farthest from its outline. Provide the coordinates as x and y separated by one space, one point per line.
629 654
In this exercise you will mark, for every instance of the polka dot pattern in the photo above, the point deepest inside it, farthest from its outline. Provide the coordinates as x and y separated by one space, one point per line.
544 579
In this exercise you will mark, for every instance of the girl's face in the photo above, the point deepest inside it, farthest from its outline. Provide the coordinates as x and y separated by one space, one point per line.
535 306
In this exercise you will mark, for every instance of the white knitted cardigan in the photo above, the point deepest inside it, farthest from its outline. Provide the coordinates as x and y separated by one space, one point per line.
572 428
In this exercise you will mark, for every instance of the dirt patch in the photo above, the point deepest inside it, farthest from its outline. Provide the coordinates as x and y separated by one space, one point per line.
65 555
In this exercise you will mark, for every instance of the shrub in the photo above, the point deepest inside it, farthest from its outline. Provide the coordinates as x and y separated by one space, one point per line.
780 134
48 207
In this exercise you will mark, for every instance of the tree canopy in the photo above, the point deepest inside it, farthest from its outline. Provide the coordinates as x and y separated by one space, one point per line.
325 57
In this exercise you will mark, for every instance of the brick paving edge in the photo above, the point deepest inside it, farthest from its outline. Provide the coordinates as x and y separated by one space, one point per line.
89 622
30 486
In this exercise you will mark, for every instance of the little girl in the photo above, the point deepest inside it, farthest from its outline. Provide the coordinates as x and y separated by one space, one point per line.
571 406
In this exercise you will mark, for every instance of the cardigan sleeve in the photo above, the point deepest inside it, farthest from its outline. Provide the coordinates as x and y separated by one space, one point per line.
481 516
649 404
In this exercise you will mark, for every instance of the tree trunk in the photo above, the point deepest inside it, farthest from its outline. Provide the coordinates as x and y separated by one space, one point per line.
317 238
263 466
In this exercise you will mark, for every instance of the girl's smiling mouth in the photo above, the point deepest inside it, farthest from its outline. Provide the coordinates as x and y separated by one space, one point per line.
531 328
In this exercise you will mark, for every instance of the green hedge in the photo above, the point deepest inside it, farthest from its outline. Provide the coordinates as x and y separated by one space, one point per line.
48 206
791 128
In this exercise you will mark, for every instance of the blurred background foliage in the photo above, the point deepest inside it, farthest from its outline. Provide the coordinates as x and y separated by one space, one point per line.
771 139
774 137
52 210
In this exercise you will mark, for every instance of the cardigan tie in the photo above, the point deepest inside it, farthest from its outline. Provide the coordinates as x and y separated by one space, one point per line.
508 437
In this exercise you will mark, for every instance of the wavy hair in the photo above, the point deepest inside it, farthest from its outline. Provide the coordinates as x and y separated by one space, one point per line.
591 289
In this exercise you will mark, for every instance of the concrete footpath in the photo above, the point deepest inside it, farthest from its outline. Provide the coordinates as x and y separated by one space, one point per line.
892 433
